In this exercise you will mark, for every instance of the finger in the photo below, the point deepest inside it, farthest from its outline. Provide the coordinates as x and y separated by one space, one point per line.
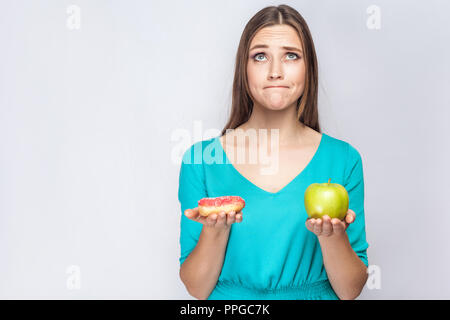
211 220
327 228
309 225
221 219
313 222
194 214
338 225
231 217
238 217
350 217
191 213
318 227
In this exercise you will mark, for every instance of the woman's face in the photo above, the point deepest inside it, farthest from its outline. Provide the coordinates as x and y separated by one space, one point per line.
276 66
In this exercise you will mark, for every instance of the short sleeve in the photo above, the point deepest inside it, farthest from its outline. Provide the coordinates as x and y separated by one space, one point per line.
354 184
191 188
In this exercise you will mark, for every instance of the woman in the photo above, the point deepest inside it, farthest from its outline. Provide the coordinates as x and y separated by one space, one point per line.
268 251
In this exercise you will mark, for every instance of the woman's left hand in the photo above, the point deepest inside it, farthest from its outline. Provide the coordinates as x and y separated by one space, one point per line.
326 226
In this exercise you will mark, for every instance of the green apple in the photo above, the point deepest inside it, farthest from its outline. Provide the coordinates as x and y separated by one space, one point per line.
326 199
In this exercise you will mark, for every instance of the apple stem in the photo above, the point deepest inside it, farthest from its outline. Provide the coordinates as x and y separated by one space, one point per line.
329 180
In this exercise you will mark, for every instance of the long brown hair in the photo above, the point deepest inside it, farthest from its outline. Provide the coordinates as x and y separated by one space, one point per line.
242 104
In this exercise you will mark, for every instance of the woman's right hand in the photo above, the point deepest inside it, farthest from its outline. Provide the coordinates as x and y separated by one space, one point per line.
219 221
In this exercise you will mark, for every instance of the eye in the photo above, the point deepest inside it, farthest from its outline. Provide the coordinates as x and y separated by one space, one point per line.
256 55
294 54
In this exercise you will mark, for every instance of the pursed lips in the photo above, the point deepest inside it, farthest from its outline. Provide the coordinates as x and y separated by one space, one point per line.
276 87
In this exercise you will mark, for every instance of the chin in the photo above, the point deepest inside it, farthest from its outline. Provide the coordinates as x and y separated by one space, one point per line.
276 108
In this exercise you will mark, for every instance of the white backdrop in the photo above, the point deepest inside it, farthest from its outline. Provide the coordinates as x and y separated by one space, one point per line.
92 93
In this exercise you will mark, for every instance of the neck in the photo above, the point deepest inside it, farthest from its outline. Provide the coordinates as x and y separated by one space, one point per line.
290 129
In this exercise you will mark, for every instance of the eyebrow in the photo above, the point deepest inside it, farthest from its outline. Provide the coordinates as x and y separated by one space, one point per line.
284 47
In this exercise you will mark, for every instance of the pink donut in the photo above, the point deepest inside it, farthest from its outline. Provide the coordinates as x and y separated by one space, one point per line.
207 206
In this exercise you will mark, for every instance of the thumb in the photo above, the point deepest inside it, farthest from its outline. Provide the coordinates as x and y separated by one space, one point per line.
350 217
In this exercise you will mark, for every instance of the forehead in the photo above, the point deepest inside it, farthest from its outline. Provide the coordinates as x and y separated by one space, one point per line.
277 36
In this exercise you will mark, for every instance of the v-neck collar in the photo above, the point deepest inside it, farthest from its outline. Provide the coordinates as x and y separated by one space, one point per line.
321 143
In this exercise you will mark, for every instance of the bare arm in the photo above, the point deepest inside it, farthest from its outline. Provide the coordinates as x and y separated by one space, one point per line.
201 269
346 271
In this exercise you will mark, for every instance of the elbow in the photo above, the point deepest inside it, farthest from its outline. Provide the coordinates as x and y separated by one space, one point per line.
198 296
194 293
355 293
350 296
190 289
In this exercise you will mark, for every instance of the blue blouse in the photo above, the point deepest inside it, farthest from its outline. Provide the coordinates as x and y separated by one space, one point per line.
271 254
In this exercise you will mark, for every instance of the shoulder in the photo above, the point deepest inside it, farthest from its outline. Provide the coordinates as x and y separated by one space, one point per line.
195 152
348 157
351 159
341 148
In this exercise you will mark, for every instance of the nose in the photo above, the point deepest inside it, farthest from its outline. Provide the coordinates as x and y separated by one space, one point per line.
275 71
274 76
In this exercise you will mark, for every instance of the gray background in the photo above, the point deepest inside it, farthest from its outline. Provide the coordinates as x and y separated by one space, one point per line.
86 119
